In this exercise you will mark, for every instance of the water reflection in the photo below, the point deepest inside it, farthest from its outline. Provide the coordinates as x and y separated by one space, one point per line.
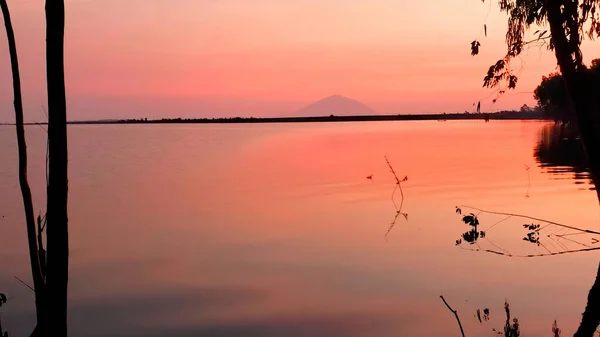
273 230
560 152
543 237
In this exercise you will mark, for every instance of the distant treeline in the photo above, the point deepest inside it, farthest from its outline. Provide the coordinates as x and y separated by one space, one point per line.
502 115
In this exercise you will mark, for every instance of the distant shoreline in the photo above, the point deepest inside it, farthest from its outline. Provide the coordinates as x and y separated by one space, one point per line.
504 115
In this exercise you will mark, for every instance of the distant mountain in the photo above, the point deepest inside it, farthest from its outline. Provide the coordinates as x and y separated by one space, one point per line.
335 105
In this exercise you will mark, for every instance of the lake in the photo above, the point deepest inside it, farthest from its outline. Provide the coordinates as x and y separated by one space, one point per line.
275 230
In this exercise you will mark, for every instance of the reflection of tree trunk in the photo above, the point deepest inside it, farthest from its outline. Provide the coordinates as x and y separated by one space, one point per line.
57 229
36 269
591 316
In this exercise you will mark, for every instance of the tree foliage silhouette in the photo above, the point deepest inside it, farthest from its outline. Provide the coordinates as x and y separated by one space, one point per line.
553 98
569 22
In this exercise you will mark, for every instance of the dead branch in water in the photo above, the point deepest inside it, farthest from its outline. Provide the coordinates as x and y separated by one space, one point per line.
455 315
531 218
398 181
552 237
397 186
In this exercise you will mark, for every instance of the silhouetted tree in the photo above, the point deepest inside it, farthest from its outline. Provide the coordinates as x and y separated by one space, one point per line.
37 263
553 98
591 317
569 22
57 234
49 271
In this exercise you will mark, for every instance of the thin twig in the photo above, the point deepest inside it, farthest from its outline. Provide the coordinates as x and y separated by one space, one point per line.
577 242
455 315
533 255
398 209
25 284
395 177
492 226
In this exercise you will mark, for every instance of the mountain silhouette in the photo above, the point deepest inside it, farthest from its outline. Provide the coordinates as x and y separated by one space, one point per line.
335 105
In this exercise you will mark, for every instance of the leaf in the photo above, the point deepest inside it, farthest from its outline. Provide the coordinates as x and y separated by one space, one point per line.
512 82
475 47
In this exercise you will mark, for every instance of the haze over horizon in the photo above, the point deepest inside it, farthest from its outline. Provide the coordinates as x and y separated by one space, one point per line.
190 58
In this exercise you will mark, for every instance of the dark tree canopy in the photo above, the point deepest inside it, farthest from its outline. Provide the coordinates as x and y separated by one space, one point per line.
552 96
572 20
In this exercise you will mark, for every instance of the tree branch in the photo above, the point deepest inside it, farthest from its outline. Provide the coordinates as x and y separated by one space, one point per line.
455 315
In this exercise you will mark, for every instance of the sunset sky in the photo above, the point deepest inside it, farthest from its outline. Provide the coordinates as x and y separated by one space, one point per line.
197 58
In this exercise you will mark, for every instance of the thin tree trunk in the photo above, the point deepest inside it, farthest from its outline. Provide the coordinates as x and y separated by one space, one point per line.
591 316
38 281
57 194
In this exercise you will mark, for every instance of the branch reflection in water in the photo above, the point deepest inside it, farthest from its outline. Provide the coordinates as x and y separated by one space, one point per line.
397 186
544 237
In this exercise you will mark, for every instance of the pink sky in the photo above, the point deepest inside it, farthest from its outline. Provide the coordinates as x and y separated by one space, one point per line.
154 58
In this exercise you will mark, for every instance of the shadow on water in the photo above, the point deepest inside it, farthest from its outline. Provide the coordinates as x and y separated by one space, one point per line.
560 152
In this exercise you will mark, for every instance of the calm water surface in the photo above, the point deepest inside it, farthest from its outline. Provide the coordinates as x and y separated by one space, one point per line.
274 230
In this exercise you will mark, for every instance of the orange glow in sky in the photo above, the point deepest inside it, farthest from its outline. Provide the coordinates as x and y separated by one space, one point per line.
154 58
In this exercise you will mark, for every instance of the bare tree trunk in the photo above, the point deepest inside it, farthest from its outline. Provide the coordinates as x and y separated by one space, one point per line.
57 194
591 316
36 271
